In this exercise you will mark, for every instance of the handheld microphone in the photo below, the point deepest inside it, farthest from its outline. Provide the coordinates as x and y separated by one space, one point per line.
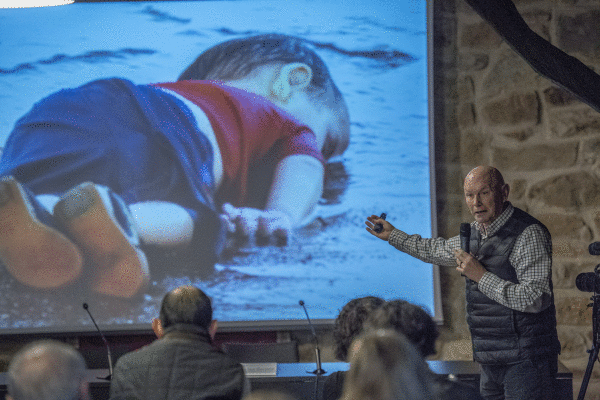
319 370
110 367
465 236
594 249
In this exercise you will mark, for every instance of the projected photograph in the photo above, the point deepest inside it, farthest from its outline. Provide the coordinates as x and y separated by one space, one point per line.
233 145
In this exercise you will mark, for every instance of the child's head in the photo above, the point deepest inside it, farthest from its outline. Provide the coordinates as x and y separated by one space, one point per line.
237 59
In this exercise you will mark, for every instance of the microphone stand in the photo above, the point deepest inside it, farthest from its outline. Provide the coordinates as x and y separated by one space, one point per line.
318 371
596 340
110 368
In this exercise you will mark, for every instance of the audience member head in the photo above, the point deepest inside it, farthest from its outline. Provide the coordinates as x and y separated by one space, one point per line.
284 56
408 319
47 370
349 322
185 306
384 365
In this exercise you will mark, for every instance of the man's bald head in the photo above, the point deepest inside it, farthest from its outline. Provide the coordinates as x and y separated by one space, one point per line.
486 172
47 370
186 305
485 193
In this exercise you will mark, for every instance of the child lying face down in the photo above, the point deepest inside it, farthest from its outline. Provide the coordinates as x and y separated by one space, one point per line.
94 177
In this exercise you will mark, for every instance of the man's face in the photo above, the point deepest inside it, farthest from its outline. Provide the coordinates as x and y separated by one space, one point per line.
484 199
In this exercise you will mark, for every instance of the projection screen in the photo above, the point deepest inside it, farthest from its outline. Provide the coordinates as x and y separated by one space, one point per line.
377 55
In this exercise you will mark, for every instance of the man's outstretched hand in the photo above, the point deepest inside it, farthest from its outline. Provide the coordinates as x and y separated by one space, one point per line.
385 232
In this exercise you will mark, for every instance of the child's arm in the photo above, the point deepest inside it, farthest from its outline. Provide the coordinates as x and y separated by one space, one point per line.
296 189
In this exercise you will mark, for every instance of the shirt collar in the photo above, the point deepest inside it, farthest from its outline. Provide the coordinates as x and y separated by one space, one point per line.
498 223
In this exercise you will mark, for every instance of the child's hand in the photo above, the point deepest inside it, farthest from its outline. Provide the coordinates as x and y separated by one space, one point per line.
264 227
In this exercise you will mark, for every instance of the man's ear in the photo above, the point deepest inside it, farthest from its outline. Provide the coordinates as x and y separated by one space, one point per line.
157 327
505 191
212 329
291 77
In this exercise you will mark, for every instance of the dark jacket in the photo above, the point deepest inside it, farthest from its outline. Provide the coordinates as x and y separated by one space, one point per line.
183 365
502 335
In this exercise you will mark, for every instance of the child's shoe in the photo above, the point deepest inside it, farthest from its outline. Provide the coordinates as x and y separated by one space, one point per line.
99 222
34 253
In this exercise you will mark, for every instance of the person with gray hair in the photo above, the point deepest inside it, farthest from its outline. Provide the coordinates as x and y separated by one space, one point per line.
47 370
182 364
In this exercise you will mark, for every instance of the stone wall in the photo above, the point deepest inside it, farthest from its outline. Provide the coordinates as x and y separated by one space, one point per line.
546 143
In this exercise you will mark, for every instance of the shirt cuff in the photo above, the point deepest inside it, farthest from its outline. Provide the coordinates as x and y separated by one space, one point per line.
488 283
397 237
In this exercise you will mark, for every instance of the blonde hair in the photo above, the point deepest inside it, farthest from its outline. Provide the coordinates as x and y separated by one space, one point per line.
384 365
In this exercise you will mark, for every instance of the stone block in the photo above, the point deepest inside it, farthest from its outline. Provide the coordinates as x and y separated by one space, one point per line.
561 225
590 151
580 33
565 272
535 158
539 22
518 108
479 36
596 220
517 189
469 62
559 97
573 311
519 135
509 73
465 89
574 341
584 121
472 150
569 191
568 248
466 115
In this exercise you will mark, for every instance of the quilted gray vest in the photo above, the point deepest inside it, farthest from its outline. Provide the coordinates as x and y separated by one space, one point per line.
499 334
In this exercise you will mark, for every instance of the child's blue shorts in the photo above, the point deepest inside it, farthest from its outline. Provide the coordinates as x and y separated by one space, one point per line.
138 140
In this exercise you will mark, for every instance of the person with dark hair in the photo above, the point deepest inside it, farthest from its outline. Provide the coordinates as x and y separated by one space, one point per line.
347 326
182 364
47 370
410 320
106 176
419 328
510 301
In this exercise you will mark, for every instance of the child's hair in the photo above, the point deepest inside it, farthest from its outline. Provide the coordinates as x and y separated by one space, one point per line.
237 58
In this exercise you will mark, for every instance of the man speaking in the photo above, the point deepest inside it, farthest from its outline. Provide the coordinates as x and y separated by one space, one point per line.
510 303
